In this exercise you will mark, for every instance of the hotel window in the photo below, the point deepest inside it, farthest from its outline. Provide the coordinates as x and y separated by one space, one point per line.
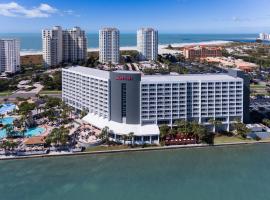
124 99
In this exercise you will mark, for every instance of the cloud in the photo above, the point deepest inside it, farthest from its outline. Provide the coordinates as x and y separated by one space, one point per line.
14 9
70 12
239 19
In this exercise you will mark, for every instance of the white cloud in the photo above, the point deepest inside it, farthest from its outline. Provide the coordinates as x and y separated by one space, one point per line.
71 12
13 9
239 19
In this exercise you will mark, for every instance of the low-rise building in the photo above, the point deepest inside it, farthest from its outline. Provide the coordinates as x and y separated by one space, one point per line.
197 52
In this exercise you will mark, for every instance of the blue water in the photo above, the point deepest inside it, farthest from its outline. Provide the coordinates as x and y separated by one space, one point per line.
34 131
32 41
216 173
7 108
29 132
7 120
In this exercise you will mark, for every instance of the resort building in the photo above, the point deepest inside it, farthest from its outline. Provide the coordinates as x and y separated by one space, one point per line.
9 55
109 48
63 46
198 52
147 44
126 101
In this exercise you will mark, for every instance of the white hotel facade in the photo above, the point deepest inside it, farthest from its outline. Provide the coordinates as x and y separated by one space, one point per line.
130 102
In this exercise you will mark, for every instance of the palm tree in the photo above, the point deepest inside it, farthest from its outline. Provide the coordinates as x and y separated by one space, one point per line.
104 135
83 113
131 137
125 138
266 122
182 126
215 123
9 130
164 130
241 129
200 131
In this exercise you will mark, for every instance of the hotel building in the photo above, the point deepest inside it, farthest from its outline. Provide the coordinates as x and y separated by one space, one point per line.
202 52
147 43
109 49
63 46
9 55
127 101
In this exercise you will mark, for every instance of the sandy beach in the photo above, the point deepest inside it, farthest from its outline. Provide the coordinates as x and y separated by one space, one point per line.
162 47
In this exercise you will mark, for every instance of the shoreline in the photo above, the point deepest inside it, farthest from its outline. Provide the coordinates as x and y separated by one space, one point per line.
147 149
132 48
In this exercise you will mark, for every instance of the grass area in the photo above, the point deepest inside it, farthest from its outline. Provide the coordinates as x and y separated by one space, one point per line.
232 139
50 92
257 86
3 94
107 148
235 139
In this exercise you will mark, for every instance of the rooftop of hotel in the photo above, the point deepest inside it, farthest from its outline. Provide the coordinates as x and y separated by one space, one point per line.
154 78
199 47
89 71
189 77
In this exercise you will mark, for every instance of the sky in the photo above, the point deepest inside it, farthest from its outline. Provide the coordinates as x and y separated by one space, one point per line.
168 16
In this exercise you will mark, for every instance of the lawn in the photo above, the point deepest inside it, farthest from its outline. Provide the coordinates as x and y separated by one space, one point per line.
257 86
107 148
50 92
227 139
3 94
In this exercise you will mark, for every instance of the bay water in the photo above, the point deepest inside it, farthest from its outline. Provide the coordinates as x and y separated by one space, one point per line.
218 173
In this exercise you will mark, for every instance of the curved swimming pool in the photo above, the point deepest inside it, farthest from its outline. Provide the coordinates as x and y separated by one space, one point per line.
30 132
7 107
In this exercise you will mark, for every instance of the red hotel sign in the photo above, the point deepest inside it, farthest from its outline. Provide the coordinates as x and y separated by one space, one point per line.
124 78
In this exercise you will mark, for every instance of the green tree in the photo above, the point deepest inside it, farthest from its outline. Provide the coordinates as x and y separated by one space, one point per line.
8 145
241 129
9 130
59 136
83 113
181 126
25 108
266 122
164 130
125 138
215 123
131 137
104 135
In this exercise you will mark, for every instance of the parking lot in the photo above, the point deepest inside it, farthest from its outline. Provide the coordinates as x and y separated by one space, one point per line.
260 103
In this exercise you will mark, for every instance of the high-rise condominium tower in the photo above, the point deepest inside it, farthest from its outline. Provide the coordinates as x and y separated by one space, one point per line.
147 43
74 45
52 46
63 45
109 51
9 55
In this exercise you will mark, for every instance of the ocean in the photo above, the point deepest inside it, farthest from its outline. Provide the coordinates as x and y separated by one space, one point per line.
222 173
31 42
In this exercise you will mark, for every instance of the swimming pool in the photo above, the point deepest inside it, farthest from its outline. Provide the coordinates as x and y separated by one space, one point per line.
34 131
29 132
7 120
8 107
